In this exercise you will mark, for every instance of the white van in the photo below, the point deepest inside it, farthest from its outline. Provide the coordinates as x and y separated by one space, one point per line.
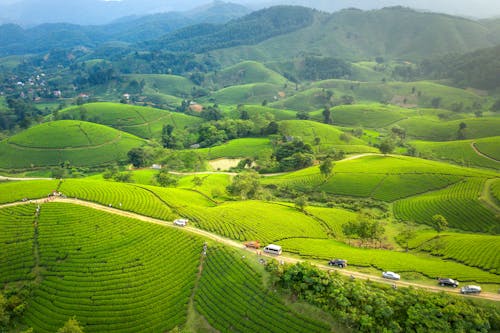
273 249
181 222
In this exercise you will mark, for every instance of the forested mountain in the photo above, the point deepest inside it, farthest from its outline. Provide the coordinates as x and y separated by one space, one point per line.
16 40
396 33
479 69
248 30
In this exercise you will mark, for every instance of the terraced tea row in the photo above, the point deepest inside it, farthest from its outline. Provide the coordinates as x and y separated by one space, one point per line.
387 260
230 296
122 196
458 203
474 250
114 274
34 189
16 243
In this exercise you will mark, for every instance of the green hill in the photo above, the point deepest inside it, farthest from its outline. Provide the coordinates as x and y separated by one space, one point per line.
400 33
142 121
253 93
80 143
328 135
245 73
164 84
462 152
432 130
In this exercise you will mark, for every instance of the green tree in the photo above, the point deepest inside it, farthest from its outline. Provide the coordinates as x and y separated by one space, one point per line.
439 223
165 179
139 157
326 167
246 185
408 233
327 115
71 326
300 203
387 146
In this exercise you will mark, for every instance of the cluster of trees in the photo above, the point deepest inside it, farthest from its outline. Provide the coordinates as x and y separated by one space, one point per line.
365 228
371 307
293 155
20 113
12 307
323 68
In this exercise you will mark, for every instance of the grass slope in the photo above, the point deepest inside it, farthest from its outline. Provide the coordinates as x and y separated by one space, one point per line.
253 93
80 143
142 121
246 72
462 152
173 85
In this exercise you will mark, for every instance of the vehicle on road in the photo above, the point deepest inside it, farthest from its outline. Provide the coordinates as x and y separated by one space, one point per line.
391 275
181 222
448 282
341 263
273 249
470 289
252 244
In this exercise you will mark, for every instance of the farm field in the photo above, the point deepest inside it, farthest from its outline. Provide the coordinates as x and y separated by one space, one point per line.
173 85
113 273
461 152
230 296
253 93
409 263
458 203
246 147
145 122
118 195
246 72
18 190
265 112
431 130
80 143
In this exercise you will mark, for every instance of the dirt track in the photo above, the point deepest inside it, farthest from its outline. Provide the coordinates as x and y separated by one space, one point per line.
229 242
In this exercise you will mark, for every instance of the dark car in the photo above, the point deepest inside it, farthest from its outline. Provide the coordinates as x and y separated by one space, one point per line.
448 282
338 262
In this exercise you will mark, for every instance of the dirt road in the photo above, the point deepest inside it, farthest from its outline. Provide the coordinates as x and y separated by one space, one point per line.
230 242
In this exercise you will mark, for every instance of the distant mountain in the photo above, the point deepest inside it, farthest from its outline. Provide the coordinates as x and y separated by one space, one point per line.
132 29
394 33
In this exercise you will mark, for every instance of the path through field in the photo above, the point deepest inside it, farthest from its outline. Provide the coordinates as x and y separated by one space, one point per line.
229 242
473 145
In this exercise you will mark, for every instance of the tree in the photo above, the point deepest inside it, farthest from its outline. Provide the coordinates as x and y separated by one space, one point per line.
327 115
302 115
246 185
408 233
71 326
301 203
165 179
461 131
326 167
439 223
496 106
139 157
387 146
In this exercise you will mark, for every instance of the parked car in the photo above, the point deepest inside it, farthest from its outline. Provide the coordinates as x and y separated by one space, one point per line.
391 275
470 289
448 282
338 262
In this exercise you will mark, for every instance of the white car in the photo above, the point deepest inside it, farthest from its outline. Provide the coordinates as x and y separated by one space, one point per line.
181 222
470 289
391 275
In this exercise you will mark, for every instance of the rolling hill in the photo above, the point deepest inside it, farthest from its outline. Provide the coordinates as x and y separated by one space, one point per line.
80 143
144 122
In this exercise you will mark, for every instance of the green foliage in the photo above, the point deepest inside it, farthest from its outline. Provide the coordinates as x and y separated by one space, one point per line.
326 167
80 143
458 203
230 296
246 72
165 179
439 223
71 326
15 191
387 146
119 195
406 263
139 157
246 185
370 307
111 272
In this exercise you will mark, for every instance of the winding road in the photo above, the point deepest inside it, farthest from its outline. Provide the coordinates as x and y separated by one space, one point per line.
235 244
